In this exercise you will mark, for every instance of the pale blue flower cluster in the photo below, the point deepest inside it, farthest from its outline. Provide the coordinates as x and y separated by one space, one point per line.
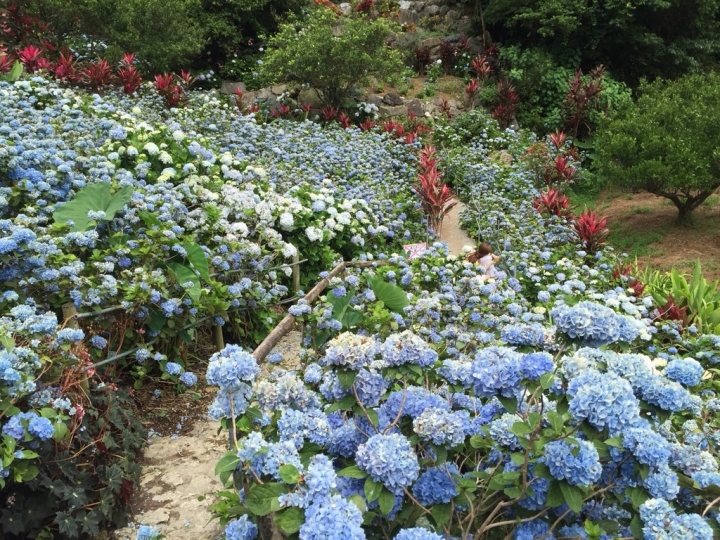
389 459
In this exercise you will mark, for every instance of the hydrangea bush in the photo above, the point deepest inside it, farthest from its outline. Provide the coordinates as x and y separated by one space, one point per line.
149 222
548 403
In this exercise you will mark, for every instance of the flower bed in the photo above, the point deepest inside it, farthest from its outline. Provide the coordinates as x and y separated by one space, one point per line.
150 222
435 403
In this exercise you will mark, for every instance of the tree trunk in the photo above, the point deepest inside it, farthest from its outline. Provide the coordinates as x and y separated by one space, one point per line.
687 205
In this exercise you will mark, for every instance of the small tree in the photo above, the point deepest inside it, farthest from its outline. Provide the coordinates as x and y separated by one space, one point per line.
332 54
667 143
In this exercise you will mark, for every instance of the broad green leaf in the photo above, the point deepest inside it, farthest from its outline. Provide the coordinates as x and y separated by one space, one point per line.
441 513
185 274
262 499
95 197
289 473
386 501
196 257
372 489
573 496
353 471
228 462
555 496
156 320
391 295
520 429
290 520
15 72
347 378
510 404
358 501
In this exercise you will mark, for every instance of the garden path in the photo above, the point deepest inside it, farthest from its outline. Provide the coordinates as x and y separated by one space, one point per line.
178 474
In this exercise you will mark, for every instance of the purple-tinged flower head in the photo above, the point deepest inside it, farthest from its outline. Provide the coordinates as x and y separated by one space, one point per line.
389 459
332 518
313 374
496 370
442 427
533 530
407 348
662 483
686 371
173 368
535 365
229 367
436 485
417 533
350 350
241 529
531 335
188 379
411 401
648 446
660 521
577 463
320 478
70 335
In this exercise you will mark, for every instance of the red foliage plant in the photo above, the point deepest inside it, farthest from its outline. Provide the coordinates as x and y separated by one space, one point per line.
504 111
583 98
553 203
472 89
97 75
560 171
171 92
592 230
281 111
329 113
367 125
31 58
344 120
435 195
127 73
447 52
463 45
6 62
672 312
365 6
422 58
481 67
66 68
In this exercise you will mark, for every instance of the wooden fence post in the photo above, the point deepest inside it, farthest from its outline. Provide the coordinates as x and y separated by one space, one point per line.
296 272
69 313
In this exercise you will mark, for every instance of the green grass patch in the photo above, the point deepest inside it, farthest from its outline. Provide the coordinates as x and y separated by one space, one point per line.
636 243
641 210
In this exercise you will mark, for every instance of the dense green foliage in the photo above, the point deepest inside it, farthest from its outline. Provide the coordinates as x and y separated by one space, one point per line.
332 55
634 39
667 142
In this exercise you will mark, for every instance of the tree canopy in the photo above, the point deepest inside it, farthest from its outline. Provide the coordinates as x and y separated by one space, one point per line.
667 143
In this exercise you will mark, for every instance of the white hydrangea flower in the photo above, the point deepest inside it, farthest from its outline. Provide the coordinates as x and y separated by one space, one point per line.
151 148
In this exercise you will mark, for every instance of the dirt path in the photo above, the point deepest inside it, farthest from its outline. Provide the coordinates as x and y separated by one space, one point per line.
178 479
455 237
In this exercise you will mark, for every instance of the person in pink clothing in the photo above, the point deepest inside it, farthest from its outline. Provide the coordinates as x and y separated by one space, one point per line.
484 256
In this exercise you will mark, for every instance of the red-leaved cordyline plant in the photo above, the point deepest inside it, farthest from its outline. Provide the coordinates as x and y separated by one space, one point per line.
559 172
447 52
31 58
128 59
435 195
504 111
481 67
344 120
365 6
186 80
463 45
558 140
66 68
554 203
6 63
445 108
97 75
329 113
130 78
173 95
472 89
672 312
367 125
239 100
422 59
281 111
389 126
582 99
592 230
411 137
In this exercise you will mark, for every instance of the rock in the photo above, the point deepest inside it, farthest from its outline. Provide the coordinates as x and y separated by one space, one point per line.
249 98
279 89
408 16
155 517
228 87
475 45
347 9
443 10
310 97
404 5
374 99
431 10
387 111
393 99
432 42
266 95
415 106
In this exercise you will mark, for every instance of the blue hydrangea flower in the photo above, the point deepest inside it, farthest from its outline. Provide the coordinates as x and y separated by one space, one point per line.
417 533
188 379
686 371
332 518
581 470
436 485
407 348
389 459
241 529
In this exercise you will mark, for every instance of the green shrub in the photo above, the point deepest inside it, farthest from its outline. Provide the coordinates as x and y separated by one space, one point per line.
667 142
332 54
